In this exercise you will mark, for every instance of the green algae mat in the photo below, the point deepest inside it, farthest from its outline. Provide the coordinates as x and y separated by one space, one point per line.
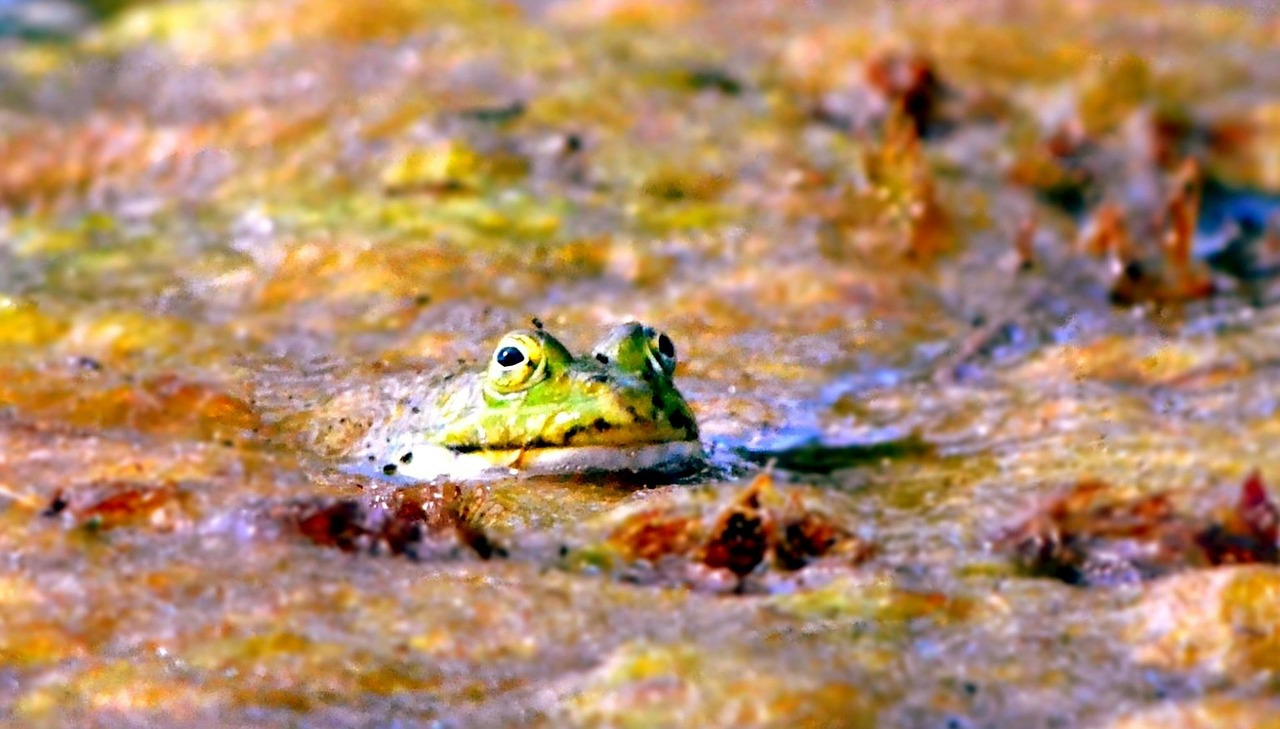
973 304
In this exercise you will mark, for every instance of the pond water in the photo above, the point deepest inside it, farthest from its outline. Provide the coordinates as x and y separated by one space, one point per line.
926 265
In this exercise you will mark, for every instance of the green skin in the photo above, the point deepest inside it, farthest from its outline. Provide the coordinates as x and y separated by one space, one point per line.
618 409
636 348
633 347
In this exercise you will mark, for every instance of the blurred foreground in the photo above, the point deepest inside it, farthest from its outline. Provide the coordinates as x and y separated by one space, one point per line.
991 284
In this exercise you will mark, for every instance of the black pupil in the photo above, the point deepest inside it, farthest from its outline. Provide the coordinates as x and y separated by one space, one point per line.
666 347
510 356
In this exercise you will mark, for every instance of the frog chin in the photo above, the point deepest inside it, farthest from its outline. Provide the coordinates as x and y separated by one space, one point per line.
429 462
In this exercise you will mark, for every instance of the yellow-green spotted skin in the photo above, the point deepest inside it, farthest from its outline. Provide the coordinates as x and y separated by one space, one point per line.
535 408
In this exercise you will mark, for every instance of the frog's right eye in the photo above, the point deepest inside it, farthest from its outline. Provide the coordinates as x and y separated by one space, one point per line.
666 347
662 351
518 363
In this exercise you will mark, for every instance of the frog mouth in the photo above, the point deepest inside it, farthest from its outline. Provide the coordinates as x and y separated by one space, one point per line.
428 462
661 457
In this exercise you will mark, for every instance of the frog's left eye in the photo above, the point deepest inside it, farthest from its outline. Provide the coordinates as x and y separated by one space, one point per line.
509 357
518 363
662 351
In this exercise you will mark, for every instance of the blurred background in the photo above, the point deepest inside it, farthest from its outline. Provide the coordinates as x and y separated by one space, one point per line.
1041 239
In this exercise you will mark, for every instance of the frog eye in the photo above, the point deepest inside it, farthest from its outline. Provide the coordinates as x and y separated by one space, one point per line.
509 357
662 351
518 363
666 347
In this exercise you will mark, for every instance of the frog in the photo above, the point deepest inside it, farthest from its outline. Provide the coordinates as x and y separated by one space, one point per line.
534 408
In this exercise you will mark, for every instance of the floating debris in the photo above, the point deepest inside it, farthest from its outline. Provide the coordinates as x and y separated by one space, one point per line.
1089 536
909 83
421 524
750 544
100 506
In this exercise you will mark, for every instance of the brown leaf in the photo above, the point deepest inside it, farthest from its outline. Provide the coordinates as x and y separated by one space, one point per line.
743 533
113 504
409 525
654 534
1247 532
1088 536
